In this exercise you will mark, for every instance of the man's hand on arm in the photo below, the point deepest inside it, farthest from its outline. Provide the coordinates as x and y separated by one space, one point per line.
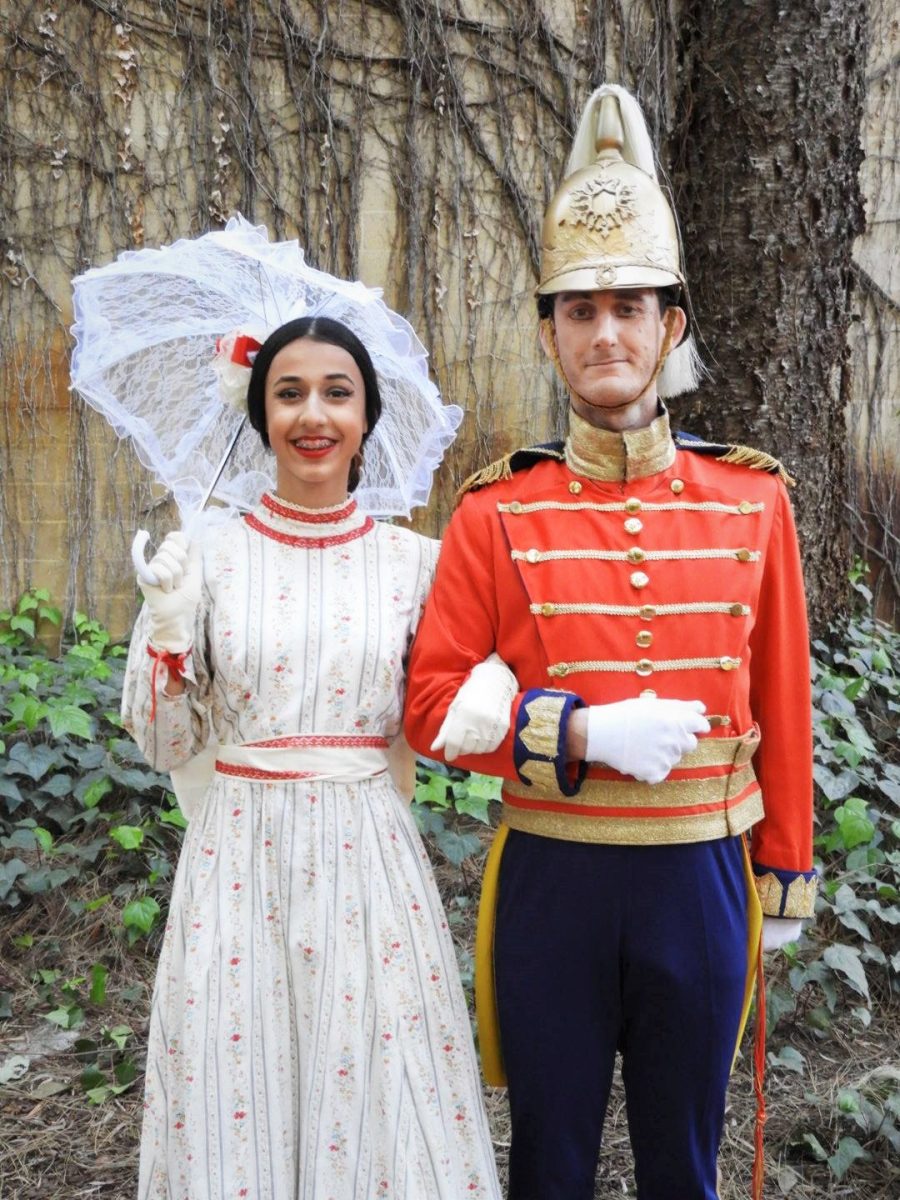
643 737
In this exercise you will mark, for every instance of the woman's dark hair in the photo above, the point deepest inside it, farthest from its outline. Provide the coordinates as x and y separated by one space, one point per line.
318 329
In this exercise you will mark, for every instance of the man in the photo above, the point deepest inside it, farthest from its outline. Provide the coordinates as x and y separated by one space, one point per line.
617 628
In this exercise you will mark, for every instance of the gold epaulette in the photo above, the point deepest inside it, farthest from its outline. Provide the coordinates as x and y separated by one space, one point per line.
505 467
492 473
758 460
741 456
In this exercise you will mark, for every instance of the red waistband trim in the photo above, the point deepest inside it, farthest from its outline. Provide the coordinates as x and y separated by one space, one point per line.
307 741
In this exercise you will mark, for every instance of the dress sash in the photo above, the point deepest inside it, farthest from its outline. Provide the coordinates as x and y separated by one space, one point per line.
335 758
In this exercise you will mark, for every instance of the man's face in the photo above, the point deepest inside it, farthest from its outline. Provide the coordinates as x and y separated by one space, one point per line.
609 343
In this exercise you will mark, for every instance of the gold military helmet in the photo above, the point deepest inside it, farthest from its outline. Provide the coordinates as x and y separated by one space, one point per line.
610 226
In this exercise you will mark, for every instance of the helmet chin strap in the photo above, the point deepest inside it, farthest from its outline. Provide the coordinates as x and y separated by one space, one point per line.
549 330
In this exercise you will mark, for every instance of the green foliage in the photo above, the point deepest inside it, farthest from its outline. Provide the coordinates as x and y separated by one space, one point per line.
445 798
75 795
856 698
849 962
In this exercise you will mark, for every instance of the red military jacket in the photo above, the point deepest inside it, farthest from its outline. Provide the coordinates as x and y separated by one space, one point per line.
680 578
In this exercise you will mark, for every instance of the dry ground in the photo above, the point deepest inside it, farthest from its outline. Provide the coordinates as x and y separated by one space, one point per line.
54 1145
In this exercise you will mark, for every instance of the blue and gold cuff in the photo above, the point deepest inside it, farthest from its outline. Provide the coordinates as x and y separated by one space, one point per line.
539 747
785 893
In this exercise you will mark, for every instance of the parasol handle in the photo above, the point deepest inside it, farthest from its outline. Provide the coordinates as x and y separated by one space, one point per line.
138 546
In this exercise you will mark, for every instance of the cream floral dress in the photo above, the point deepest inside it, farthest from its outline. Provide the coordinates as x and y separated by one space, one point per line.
309 1038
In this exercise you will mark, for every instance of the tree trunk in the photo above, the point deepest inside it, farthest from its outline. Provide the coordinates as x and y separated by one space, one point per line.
768 152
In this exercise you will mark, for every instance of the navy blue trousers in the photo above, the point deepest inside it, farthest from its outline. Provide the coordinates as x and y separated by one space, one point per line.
603 948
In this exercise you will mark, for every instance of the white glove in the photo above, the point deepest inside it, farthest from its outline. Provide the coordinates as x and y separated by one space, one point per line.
478 718
173 605
778 931
644 737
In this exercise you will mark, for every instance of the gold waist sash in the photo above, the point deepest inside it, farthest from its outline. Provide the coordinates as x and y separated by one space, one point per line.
711 793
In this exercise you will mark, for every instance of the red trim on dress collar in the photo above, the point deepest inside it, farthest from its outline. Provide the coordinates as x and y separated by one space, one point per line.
309 543
307 516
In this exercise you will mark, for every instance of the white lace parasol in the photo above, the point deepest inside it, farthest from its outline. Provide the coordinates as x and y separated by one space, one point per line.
146 327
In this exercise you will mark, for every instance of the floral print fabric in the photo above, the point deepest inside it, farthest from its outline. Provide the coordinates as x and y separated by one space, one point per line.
309 1037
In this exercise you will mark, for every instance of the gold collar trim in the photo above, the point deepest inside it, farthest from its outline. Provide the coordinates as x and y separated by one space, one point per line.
614 457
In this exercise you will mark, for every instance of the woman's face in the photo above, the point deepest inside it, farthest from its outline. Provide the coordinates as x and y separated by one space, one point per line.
316 419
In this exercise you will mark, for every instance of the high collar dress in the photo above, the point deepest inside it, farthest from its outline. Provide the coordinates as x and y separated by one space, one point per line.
309 1036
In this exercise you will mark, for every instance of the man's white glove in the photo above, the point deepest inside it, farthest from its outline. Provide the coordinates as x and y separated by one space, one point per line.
173 604
478 718
644 737
778 931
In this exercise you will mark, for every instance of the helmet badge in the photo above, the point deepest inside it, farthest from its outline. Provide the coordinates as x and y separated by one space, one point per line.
603 203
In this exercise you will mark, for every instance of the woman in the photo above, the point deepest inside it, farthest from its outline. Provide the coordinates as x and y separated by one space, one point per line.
309 1037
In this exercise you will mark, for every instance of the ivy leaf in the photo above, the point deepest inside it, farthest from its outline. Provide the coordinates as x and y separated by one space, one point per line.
119 1035
457 847
173 816
34 761
57 785
836 704
434 791
848 1152
855 826
23 624
835 787
790 1059
129 837
24 710
10 789
845 960
68 720
95 791
430 822
810 1143
140 915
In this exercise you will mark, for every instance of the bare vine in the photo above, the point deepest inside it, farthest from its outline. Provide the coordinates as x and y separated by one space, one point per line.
412 142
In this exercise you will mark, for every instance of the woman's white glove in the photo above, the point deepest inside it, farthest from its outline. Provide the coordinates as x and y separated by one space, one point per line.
173 604
478 718
778 931
644 737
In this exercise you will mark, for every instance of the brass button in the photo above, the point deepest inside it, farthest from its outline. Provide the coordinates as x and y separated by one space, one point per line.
648 612
632 504
515 507
644 638
648 694
634 525
575 487
561 669
644 667
743 555
745 507
635 555
532 556
547 610
677 486
639 579
726 663
737 610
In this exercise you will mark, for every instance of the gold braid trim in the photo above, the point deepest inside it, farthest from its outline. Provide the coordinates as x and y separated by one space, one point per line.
758 460
496 472
493 473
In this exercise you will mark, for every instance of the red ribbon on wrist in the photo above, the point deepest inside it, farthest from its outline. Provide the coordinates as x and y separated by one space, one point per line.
175 664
